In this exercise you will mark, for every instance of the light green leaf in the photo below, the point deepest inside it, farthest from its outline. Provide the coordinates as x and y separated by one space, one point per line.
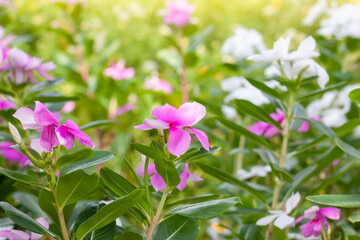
27 179
355 95
344 201
354 219
73 157
177 228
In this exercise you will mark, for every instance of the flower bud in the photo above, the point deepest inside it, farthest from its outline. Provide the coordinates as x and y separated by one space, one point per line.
15 134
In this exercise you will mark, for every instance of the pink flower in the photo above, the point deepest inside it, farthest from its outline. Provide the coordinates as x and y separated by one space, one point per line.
6 104
178 13
12 155
45 122
4 65
125 108
157 84
118 71
176 120
24 66
317 217
158 183
68 107
269 131
4 41
21 235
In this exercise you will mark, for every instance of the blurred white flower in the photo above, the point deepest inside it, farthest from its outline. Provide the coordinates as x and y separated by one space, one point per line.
315 12
260 171
229 112
215 231
244 43
343 21
333 106
282 218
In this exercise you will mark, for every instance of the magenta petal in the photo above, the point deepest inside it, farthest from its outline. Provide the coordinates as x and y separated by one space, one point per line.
202 137
43 116
5 234
307 229
48 138
157 182
155 123
299 220
166 113
304 127
258 128
179 141
317 228
272 131
330 212
65 137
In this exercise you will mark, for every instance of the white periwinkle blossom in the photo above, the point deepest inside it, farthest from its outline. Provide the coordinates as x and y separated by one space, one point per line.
259 171
333 106
244 43
343 21
282 218
296 62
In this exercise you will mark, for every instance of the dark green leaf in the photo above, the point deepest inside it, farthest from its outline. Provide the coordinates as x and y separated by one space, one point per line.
150 152
344 201
130 235
21 177
44 85
197 154
96 124
177 228
73 157
167 171
347 148
265 89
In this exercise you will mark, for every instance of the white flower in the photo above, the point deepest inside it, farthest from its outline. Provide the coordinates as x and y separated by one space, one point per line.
315 12
229 112
244 43
282 219
215 231
260 171
343 22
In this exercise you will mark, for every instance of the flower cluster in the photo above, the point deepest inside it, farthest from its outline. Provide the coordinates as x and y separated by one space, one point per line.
118 71
52 132
178 13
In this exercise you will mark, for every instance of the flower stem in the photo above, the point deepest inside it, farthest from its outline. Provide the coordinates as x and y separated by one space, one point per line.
184 85
156 220
146 180
240 156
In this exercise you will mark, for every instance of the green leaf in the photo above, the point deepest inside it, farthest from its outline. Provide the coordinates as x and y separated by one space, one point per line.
199 38
243 131
74 186
95 124
73 157
120 185
190 156
150 152
354 219
282 174
321 127
256 112
319 91
344 201
191 59
130 235
177 228
167 171
24 220
52 97
97 158
355 95
205 210
27 179
199 198
226 177
44 85
171 57
109 213
299 178
46 202
347 148
265 89
18 148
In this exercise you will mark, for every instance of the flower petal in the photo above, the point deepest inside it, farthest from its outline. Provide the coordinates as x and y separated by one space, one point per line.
157 182
266 220
43 116
49 138
155 123
35 144
292 202
330 212
19 235
307 229
190 113
44 223
202 137
179 141
26 117
283 221
166 113
258 128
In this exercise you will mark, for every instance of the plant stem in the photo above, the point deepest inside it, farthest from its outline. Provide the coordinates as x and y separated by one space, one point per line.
146 180
32 158
63 224
156 220
57 152
240 156
184 85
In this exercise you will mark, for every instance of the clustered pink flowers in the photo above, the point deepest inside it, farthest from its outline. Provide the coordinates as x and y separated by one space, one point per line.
179 122
269 131
12 155
159 85
21 235
317 217
118 71
158 183
178 13
52 132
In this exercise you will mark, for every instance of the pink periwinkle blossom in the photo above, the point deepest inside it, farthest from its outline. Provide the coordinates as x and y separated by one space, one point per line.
5 40
23 66
52 132
124 108
12 155
4 65
179 122
21 235
269 131
158 183
178 13
317 217
159 85
118 71
6 104
68 107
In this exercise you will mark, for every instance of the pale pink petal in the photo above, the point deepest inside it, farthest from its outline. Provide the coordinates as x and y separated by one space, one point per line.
330 212
125 108
12 155
5 234
68 107
43 116
44 68
272 131
35 144
157 182
155 123
202 137
299 220
33 63
26 117
18 58
194 178
311 212
6 104
166 113
19 235
143 127
179 141
44 223
190 113
151 169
